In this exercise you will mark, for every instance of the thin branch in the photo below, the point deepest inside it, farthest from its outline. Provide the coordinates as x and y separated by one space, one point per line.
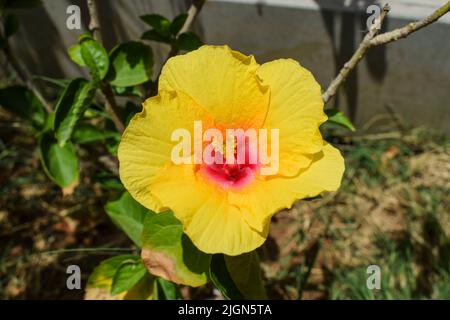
193 12
107 92
357 56
410 28
372 40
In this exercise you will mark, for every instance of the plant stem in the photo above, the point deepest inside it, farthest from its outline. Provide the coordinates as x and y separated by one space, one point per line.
372 40
107 92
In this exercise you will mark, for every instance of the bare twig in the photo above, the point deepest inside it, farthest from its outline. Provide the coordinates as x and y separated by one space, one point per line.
193 12
372 40
107 92
357 56
94 24
410 28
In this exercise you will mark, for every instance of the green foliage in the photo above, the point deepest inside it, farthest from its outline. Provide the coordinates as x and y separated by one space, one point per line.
165 31
238 277
338 118
120 277
129 215
71 106
177 23
59 162
188 41
87 133
131 64
128 275
166 290
94 56
75 54
170 254
23 102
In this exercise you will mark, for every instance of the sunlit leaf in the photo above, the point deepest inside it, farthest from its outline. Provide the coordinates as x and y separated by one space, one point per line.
75 55
71 106
129 215
101 279
337 117
127 276
168 253
131 64
95 57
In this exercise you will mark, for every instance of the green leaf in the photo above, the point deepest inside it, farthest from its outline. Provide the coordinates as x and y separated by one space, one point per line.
87 133
178 23
153 35
95 57
23 102
337 117
71 105
169 253
60 163
189 41
238 277
167 290
133 91
245 271
222 280
10 25
75 55
131 64
159 23
101 279
127 276
129 215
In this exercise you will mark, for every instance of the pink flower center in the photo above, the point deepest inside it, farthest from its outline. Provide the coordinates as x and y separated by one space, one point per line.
235 175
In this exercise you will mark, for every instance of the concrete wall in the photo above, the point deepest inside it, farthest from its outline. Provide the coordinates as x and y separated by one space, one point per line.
411 76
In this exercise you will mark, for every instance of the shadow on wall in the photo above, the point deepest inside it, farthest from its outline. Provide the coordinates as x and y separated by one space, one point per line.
43 39
351 33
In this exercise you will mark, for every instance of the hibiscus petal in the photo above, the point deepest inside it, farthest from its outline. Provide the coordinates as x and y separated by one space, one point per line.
222 81
213 224
296 109
264 198
146 144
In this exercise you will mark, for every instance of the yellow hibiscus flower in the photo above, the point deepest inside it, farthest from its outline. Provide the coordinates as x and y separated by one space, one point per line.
227 208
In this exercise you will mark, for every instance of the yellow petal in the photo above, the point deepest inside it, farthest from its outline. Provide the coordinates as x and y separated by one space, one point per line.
296 109
264 198
213 225
146 144
223 82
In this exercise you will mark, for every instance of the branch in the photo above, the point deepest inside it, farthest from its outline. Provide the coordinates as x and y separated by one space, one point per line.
357 56
193 12
107 92
410 28
372 40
